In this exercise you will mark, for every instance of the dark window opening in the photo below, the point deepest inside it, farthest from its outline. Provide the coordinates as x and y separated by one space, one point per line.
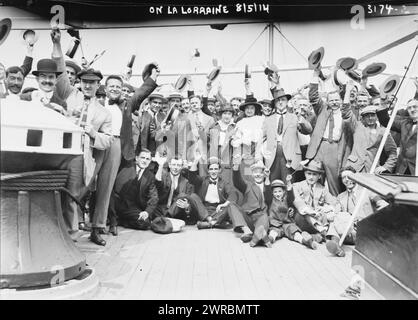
34 138
67 140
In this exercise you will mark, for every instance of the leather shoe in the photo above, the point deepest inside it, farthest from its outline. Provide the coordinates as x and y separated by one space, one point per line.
83 226
96 238
334 248
102 231
113 230
308 241
246 237
203 225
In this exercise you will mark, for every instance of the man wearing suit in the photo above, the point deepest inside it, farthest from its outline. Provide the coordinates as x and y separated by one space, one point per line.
135 196
346 202
315 205
122 145
280 131
220 136
215 193
331 139
366 139
200 125
46 76
147 123
254 221
407 127
176 194
15 76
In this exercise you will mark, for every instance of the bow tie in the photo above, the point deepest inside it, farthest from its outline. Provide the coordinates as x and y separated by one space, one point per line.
281 114
86 98
212 181
114 101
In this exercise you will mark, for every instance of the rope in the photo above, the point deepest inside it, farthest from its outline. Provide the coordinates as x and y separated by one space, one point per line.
54 180
248 49
303 57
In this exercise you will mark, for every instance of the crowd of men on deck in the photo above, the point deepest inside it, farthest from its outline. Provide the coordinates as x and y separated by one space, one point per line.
267 168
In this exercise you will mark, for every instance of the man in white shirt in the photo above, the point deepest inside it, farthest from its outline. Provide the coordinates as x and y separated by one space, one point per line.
112 156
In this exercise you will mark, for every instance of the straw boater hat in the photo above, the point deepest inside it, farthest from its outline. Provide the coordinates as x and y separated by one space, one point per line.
278 183
315 58
181 82
373 69
314 166
226 108
73 65
390 85
257 165
166 225
347 63
156 96
175 95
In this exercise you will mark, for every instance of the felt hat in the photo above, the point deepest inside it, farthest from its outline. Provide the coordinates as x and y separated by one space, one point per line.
213 100
46 66
314 166
374 69
181 82
148 70
347 63
166 225
5 27
250 102
390 85
129 86
90 74
315 58
368 109
277 94
278 183
73 65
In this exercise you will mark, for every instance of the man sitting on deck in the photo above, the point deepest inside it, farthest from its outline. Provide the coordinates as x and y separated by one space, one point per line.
216 194
347 201
315 205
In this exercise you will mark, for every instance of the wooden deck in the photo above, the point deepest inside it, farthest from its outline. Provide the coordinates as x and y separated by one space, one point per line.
213 264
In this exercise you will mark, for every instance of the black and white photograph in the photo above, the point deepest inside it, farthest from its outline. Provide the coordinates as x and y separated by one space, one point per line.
208 156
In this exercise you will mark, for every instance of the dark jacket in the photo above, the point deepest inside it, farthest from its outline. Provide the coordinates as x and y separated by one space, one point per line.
408 143
128 107
225 190
253 198
184 187
279 212
139 195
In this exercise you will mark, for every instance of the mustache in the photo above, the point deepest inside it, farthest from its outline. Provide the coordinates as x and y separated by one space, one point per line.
47 83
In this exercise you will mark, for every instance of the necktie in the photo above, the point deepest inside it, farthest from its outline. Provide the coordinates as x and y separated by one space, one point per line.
139 173
85 143
311 196
172 188
351 202
331 126
280 126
